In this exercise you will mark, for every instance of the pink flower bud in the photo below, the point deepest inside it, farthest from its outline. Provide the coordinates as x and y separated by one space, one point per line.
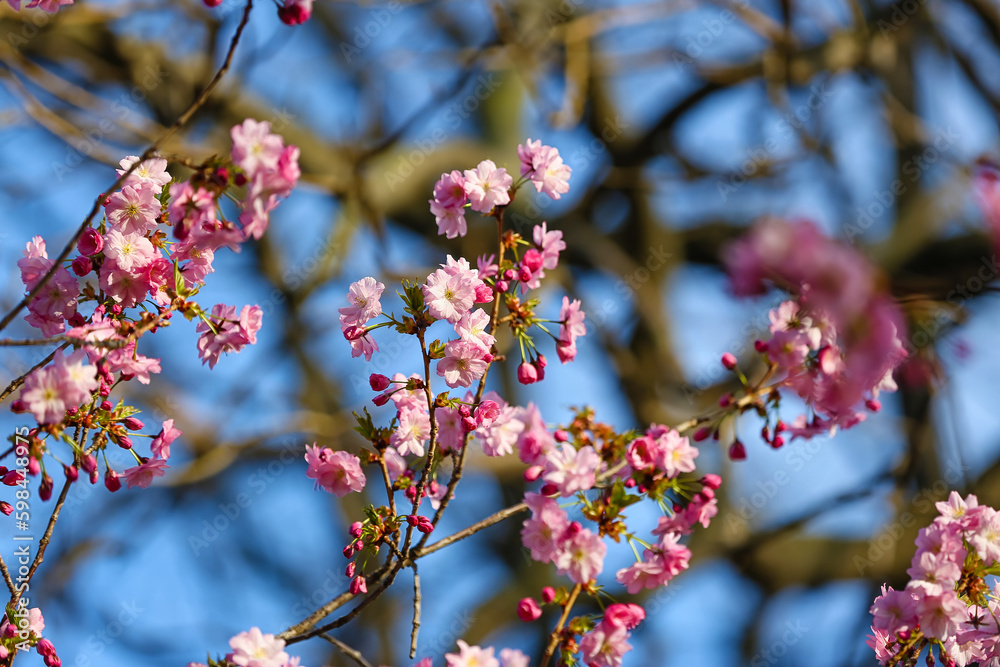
354 332
711 481
701 434
45 488
729 360
760 346
464 411
356 529
509 274
873 405
630 483
212 3
34 467
424 525
348 551
106 405
88 462
13 478
502 285
82 265
378 382
133 424
359 585
72 473
123 441
90 242
539 370
94 476
777 442
111 481
532 260
526 373
524 275
18 406
295 12
6 508
627 615
780 427
381 399
528 610
737 452
533 473
549 490
548 595
350 569
560 436
468 424
725 400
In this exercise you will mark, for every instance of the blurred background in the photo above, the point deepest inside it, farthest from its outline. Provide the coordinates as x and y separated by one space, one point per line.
683 121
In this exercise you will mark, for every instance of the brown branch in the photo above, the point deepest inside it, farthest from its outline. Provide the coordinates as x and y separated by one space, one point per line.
352 653
17 382
554 640
416 612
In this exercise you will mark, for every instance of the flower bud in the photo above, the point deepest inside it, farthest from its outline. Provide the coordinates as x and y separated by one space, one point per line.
90 242
72 473
549 490
484 293
701 434
111 481
359 585
356 528
711 481
532 260
729 361
737 452
82 265
560 436
528 610
526 373
487 412
45 488
351 567
548 595
378 382
133 424
6 508
533 473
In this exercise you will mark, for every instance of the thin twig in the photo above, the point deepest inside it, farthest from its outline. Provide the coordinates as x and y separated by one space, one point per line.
17 382
554 640
352 653
6 576
416 612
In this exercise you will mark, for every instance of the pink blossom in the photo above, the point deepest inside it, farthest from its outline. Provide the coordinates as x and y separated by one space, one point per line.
540 533
256 649
143 474
160 447
228 332
571 317
580 554
449 191
986 538
450 292
127 361
472 329
528 610
127 287
510 657
471 656
363 297
190 209
659 565
405 398
625 614
487 186
894 610
49 391
450 431
128 250
534 442
939 614
572 470
462 365
338 472
673 453
499 438
544 168
450 220
605 645
152 173
133 210
413 431
549 243
255 148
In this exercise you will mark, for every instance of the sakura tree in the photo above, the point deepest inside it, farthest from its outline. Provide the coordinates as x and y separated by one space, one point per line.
495 362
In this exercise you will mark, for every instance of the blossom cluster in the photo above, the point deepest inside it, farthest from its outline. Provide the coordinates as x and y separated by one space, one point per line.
837 342
24 629
135 279
947 604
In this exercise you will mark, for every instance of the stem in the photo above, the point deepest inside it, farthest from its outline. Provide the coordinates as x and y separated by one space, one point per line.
351 653
416 612
554 640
